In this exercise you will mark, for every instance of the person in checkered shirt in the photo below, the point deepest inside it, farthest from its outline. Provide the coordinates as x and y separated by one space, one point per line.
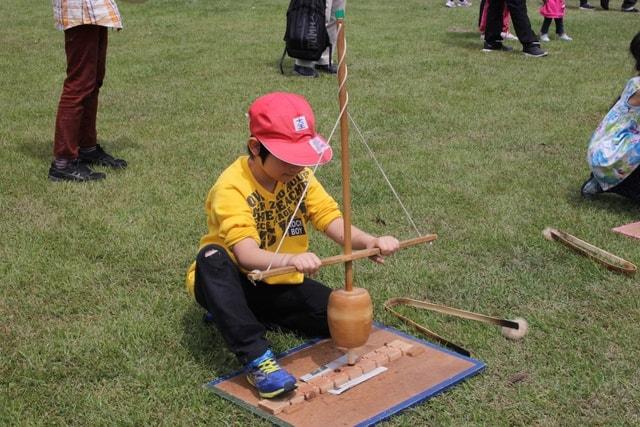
85 24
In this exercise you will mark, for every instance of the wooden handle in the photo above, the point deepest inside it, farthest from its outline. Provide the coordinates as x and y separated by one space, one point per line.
343 100
451 311
444 310
612 262
337 259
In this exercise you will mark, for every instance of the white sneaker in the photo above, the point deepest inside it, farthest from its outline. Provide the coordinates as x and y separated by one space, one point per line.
565 37
464 3
544 37
450 3
508 36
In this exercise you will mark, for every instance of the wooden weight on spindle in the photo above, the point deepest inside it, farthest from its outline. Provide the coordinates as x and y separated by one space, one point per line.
350 315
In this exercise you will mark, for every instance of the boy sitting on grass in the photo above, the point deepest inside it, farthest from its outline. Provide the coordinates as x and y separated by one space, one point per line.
248 210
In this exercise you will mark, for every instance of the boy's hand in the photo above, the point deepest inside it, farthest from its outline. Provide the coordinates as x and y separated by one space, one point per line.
307 263
387 245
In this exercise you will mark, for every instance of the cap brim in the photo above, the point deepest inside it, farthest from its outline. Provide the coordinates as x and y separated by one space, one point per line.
310 153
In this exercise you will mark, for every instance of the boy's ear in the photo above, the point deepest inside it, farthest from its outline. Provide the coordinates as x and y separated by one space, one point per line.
254 146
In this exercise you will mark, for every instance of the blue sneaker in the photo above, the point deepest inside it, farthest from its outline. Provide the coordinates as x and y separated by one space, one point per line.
268 377
208 318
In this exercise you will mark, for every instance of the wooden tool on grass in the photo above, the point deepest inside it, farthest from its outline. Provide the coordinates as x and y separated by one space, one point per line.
612 262
512 329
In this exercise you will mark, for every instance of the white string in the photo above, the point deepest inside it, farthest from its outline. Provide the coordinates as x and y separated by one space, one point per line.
295 211
393 190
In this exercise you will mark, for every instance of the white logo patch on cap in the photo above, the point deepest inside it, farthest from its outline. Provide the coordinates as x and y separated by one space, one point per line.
300 123
318 145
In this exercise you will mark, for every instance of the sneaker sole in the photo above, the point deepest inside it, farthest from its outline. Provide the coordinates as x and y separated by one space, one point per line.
94 162
59 179
531 55
311 76
496 50
275 393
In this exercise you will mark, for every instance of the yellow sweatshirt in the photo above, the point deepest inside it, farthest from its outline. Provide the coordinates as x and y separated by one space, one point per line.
238 207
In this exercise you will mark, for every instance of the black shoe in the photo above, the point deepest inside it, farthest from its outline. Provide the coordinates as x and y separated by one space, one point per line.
630 9
326 68
102 158
305 71
590 188
604 4
586 6
496 47
533 50
75 171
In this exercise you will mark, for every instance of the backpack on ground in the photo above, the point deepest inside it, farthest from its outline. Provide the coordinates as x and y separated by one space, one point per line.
306 36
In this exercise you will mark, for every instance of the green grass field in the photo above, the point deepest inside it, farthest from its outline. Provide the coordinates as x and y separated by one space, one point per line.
485 150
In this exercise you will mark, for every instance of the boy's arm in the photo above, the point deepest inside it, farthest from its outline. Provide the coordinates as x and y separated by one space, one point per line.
251 257
362 240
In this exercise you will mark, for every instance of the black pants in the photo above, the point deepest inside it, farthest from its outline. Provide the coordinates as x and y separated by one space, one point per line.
519 17
243 311
547 23
626 4
629 187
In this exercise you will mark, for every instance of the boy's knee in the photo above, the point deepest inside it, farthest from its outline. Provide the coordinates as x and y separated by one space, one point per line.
213 265
212 255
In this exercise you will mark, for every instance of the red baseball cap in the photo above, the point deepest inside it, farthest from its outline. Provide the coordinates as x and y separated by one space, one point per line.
284 123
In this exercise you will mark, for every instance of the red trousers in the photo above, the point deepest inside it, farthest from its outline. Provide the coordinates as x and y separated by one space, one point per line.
86 49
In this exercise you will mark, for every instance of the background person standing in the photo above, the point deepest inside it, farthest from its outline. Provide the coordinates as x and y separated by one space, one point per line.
521 24
306 68
75 148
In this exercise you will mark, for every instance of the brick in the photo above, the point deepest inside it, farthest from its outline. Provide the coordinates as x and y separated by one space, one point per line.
293 408
369 355
384 350
367 365
403 346
296 398
415 350
273 406
308 390
381 359
394 353
353 371
323 383
339 378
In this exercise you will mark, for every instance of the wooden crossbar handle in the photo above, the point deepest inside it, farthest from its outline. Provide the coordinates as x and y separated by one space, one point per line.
337 259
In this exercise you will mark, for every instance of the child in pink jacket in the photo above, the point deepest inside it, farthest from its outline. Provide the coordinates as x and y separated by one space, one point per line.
553 10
